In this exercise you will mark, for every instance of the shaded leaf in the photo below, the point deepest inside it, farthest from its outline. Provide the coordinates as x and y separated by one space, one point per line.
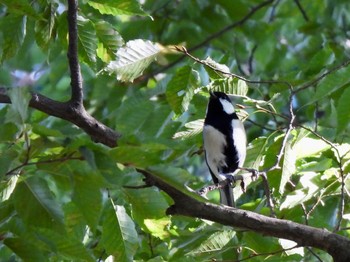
288 166
14 31
343 110
44 28
133 59
24 249
87 189
119 236
36 205
193 128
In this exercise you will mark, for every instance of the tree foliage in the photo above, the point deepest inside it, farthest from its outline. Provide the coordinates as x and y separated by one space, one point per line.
67 198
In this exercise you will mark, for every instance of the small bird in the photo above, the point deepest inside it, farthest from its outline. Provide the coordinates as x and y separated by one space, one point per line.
224 142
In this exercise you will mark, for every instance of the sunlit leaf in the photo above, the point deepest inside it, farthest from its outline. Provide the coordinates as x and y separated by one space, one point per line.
87 40
117 7
192 129
229 85
181 88
133 59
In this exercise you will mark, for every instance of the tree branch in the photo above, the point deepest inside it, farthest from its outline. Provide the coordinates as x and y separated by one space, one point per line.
73 110
75 73
337 246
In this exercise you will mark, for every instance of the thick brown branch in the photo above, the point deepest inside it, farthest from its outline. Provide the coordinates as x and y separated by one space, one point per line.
75 73
78 116
337 246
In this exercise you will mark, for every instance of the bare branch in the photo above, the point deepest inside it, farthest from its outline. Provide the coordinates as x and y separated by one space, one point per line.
75 73
336 245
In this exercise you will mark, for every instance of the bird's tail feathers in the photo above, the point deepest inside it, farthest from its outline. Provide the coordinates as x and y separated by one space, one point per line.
226 196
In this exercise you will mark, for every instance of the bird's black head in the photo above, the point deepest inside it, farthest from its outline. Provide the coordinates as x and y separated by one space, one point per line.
220 103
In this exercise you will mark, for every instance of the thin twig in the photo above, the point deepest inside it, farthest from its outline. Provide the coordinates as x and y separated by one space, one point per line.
187 53
318 79
314 254
301 9
216 35
267 253
24 164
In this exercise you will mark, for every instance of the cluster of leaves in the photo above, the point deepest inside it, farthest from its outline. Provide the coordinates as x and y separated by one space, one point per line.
66 198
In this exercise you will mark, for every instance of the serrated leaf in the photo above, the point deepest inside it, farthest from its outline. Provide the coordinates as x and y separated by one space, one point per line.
44 27
193 128
214 243
181 88
229 85
119 237
18 111
110 40
288 167
343 111
13 31
117 7
36 205
216 70
133 59
87 40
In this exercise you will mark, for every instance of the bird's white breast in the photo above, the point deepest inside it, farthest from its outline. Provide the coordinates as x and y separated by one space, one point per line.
214 144
239 140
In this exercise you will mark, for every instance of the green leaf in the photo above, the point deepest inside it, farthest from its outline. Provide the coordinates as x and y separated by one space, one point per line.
66 246
343 110
18 111
117 7
229 85
215 242
119 237
24 249
14 31
332 83
148 209
36 204
133 59
87 40
288 167
110 40
87 189
193 128
181 88
20 7
139 156
44 28
216 70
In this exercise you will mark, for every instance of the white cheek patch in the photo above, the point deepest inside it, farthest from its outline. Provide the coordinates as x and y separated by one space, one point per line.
227 106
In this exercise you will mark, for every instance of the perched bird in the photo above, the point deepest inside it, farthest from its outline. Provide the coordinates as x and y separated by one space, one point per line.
224 142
